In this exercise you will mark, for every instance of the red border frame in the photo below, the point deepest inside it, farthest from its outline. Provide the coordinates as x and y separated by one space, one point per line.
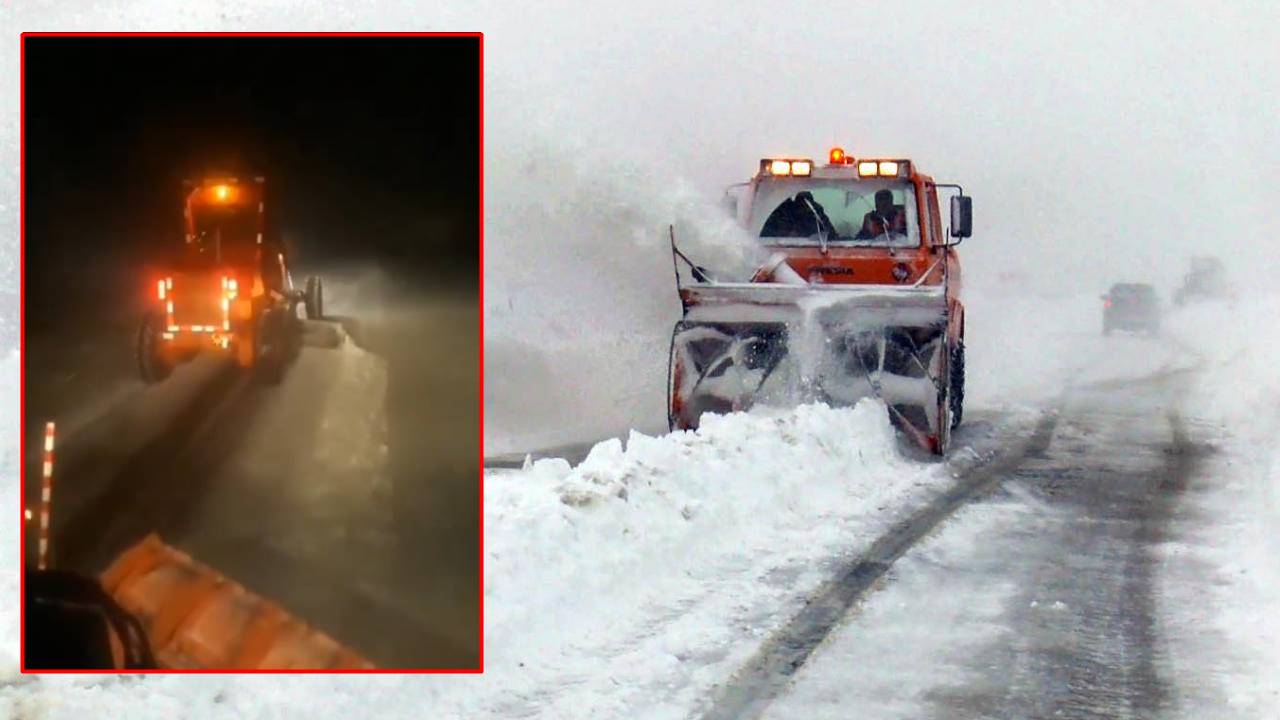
22 402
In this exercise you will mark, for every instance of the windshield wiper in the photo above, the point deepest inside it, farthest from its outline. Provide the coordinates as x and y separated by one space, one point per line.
817 219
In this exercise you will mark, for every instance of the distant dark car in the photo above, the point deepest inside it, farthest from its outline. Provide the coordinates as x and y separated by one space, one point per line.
1131 306
1206 281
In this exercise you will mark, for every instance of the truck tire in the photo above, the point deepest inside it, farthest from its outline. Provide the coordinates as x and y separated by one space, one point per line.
314 298
153 366
956 397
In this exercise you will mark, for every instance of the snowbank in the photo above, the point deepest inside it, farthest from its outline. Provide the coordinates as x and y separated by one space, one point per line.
644 575
9 389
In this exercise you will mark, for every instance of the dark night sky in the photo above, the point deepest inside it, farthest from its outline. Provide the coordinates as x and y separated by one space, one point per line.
370 146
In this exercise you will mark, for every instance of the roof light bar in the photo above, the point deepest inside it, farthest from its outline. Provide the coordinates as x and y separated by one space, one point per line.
879 168
800 167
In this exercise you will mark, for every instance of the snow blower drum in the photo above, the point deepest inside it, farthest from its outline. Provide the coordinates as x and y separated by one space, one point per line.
890 345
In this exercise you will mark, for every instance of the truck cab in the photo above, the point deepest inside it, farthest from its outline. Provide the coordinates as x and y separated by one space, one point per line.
860 297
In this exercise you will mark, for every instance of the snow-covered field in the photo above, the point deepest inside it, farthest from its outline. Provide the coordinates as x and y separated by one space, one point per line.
9 419
1221 586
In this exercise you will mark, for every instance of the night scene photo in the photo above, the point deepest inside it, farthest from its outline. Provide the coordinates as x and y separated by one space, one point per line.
251 352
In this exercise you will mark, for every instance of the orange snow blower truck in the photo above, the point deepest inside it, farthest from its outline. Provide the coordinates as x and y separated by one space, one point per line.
228 288
859 297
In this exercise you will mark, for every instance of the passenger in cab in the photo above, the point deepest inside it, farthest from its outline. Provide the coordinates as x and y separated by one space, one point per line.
886 218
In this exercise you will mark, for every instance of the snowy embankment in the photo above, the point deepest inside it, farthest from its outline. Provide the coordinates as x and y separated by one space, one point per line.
1229 535
9 392
648 573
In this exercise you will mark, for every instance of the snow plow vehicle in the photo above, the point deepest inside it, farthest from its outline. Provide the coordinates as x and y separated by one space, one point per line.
859 297
227 289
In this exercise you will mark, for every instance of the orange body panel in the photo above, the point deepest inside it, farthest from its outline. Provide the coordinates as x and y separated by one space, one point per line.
196 618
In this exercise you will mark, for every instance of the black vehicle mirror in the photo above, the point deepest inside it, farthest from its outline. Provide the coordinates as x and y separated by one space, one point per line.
961 216
732 200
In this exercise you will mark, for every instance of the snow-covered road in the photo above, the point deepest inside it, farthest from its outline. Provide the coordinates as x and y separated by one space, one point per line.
1089 584
1039 602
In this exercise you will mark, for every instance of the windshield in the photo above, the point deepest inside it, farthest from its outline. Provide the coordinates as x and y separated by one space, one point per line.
230 226
860 213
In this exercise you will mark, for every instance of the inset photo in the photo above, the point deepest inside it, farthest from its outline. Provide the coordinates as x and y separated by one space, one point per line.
251 352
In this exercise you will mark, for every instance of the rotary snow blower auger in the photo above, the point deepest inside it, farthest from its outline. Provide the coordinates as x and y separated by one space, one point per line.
860 298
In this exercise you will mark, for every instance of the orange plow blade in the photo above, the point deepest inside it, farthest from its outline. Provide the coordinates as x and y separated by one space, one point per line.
197 619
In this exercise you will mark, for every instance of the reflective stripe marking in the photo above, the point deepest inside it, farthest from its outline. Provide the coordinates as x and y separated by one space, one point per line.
46 495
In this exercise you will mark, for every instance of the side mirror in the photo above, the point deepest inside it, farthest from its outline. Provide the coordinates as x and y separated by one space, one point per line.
961 216
730 203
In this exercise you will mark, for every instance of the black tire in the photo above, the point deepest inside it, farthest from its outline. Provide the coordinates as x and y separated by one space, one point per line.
956 397
314 298
152 365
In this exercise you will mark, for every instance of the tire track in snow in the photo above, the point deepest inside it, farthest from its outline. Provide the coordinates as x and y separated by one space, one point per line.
767 674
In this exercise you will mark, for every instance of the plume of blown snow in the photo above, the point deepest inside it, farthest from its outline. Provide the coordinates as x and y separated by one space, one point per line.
580 289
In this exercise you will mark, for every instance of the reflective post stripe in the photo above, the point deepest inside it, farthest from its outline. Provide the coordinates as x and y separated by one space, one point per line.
46 495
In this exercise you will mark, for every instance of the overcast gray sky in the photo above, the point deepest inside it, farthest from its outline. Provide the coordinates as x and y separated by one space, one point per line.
1098 138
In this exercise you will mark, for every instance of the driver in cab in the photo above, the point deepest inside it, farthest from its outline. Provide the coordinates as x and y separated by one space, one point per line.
886 218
